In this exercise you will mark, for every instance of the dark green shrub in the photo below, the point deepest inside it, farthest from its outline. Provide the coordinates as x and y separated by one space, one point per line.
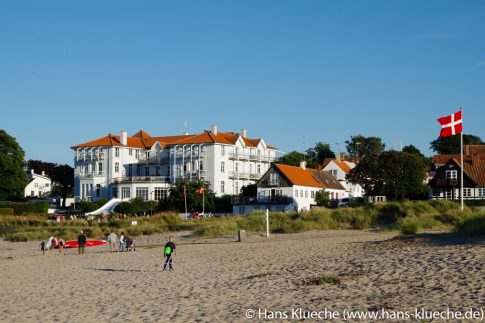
6 211
473 226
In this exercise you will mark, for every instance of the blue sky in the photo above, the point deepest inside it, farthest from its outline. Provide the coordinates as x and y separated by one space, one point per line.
291 72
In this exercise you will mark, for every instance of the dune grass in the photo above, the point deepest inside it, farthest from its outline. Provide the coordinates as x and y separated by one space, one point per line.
408 217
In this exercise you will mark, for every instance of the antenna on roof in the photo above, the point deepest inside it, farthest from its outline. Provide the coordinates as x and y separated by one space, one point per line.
186 133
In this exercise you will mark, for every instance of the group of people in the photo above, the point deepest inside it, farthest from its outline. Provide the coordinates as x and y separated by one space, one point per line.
51 244
119 245
115 244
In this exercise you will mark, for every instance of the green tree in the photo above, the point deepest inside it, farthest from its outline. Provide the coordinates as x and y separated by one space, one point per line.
318 153
397 175
176 201
360 146
451 145
13 178
62 177
292 158
322 198
249 190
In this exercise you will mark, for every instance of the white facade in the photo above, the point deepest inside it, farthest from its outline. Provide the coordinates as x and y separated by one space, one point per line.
127 172
352 190
39 185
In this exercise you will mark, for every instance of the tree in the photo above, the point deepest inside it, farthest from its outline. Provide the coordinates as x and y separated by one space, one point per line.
249 190
451 145
62 177
176 200
413 150
13 178
322 198
318 153
39 166
397 175
360 146
292 158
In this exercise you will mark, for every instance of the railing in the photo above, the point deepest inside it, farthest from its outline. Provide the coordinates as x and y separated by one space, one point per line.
153 159
142 179
244 175
91 175
194 174
188 154
88 156
261 200
241 156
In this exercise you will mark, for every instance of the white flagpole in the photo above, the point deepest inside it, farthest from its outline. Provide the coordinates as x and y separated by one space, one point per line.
203 201
267 223
185 199
462 165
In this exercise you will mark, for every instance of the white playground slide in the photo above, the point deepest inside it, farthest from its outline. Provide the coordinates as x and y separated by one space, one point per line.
108 207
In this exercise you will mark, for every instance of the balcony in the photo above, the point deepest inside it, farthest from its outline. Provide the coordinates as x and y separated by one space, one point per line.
153 159
261 200
188 175
187 154
91 175
142 179
89 156
240 156
242 175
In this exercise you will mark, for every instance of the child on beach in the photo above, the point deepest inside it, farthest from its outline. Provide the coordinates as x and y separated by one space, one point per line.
42 247
168 251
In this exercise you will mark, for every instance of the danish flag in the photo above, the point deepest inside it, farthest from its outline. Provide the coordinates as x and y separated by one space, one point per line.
451 125
200 191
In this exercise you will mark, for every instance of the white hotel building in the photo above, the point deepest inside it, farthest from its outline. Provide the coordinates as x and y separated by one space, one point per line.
145 166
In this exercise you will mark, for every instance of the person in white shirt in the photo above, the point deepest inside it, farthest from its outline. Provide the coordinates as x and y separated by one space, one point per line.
122 242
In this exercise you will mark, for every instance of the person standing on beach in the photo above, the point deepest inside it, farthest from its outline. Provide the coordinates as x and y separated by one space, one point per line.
168 252
122 242
113 241
81 243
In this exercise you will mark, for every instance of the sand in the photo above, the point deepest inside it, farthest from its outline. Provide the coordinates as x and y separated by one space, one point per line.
219 280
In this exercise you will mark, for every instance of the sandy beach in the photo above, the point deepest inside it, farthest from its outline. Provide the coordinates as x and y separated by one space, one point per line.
220 280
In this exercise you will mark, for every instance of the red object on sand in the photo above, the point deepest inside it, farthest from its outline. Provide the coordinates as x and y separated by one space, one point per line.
89 243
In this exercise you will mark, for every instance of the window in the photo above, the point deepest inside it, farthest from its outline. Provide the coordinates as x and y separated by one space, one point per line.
274 179
306 194
138 170
100 168
114 192
117 152
301 193
223 150
236 167
223 167
137 153
90 189
467 192
201 165
451 174
117 167
157 171
250 168
142 192
258 168
98 190
36 185
130 170
312 194
236 187
161 193
481 192
147 171
46 184
222 186
296 193
333 172
125 193
130 152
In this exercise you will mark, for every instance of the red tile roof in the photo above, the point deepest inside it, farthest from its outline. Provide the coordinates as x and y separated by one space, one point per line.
474 168
143 140
308 177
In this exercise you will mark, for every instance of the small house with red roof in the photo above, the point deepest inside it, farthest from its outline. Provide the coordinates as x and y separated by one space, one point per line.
289 188
339 168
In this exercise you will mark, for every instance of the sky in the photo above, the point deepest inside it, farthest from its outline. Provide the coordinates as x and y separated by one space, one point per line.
291 72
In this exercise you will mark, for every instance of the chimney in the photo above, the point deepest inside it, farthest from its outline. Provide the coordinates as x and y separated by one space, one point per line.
338 157
214 129
243 133
124 138
32 171
303 164
43 173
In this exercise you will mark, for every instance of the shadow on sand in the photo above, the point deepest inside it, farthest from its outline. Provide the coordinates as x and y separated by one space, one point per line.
443 239
116 270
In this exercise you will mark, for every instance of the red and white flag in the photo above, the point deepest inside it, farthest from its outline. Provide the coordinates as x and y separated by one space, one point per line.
200 191
451 125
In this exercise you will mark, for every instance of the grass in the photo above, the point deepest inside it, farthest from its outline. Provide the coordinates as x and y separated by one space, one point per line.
408 217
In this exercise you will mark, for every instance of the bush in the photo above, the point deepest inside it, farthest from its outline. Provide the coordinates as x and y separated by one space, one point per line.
473 226
20 208
408 227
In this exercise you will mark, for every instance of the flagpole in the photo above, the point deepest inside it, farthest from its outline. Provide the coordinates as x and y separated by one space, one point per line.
185 198
462 165
203 200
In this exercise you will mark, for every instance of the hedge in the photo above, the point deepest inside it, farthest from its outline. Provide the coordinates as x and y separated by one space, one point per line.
20 208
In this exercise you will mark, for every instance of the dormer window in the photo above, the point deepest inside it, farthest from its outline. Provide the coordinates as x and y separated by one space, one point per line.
451 174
